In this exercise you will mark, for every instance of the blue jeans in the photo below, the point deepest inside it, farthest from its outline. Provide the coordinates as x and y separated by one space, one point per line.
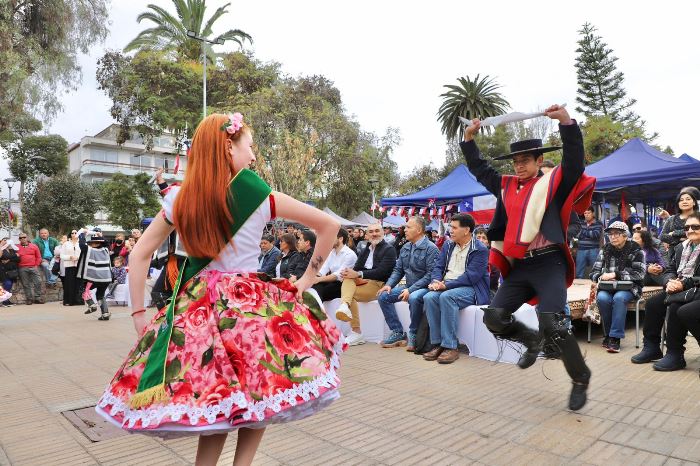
442 309
46 266
415 306
613 310
585 258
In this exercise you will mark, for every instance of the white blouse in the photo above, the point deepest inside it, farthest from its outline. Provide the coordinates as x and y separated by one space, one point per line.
69 249
241 255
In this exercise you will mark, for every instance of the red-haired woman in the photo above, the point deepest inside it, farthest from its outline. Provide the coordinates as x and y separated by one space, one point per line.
234 350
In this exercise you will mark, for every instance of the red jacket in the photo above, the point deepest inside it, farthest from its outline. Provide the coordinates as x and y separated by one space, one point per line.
29 255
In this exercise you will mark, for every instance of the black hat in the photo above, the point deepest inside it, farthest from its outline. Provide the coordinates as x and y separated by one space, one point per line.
95 239
527 146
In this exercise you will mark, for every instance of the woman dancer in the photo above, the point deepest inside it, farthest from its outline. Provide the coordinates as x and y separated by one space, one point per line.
233 350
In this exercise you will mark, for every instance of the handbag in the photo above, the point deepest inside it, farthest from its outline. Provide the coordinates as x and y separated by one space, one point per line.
615 285
12 274
682 297
56 268
592 313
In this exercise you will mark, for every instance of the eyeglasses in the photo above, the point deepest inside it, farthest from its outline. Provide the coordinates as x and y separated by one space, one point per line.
695 227
637 228
22 237
73 232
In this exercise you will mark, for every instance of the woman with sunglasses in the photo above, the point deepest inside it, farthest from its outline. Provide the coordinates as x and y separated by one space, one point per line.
678 298
70 252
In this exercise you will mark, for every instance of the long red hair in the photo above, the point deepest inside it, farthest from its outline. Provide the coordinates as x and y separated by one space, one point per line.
201 214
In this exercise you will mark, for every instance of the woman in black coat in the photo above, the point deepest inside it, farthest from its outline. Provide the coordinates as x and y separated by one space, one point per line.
290 257
9 270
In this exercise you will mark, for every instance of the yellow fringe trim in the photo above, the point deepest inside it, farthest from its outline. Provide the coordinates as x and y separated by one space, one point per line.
151 395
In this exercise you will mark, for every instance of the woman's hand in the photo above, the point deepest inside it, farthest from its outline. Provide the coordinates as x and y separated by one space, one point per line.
302 285
608 276
139 323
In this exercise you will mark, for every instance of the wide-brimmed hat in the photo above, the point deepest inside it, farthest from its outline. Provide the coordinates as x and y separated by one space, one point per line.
618 225
527 146
93 238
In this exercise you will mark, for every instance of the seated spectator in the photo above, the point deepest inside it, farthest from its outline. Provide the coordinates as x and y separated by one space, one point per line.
9 270
494 273
289 258
400 239
269 255
389 236
46 244
118 247
588 242
328 282
306 242
641 225
416 261
654 259
135 233
619 260
682 274
672 232
459 279
118 276
358 237
361 283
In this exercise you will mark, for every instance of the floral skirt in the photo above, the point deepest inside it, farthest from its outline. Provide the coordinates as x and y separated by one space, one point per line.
243 353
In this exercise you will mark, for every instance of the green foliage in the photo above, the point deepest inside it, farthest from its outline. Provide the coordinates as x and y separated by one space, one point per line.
600 85
169 32
419 178
128 199
61 203
308 147
477 98
32 156
150 94
602 136
39 45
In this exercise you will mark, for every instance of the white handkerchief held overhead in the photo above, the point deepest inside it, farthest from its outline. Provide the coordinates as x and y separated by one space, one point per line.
507 118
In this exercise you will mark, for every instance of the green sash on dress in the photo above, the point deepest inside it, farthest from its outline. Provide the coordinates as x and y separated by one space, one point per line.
246 193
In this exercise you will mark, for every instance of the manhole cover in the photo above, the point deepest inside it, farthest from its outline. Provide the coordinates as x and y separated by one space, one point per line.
92 425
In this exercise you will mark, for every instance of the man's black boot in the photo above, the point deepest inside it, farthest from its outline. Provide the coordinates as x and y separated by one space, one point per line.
673 361
578 396
649 353
532 341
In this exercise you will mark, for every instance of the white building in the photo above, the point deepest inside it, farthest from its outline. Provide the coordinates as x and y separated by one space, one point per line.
97 158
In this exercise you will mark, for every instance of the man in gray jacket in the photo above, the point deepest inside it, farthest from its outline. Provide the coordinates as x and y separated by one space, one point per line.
416 261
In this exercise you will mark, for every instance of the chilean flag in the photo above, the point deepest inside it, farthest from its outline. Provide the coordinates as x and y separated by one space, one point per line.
482 208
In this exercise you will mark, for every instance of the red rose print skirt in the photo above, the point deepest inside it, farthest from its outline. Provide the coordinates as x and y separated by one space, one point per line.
243 353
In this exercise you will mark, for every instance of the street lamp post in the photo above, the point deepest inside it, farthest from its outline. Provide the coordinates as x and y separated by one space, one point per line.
373 183
10 183
202 40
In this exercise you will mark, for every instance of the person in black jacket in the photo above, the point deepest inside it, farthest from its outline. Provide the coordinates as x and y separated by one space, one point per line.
290 258
373 267
529 243
680 277
306 241
9 271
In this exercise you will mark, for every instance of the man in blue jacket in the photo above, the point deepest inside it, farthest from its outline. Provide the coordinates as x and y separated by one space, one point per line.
460 278
588 242
269 255
416 261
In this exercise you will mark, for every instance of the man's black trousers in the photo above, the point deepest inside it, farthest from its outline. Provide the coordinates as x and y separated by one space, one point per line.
544 276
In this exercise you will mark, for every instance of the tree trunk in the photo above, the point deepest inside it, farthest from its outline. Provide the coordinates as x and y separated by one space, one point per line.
21 206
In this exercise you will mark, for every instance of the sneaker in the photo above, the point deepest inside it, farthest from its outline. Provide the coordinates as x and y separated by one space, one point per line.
104 316
90 309
394 340
614 345
343 313
606 342
354 339
411 345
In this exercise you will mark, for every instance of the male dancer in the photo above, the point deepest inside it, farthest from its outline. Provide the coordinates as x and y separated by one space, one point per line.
528 242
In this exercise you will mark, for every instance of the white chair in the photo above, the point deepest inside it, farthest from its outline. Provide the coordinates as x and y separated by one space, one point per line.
121 295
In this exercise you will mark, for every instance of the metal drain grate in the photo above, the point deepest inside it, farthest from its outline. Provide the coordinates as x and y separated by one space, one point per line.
92 425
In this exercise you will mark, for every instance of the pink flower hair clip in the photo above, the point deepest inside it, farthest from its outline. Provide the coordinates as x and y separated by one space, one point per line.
234 123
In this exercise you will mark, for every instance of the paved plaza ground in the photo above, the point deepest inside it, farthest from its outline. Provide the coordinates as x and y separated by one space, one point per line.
395 408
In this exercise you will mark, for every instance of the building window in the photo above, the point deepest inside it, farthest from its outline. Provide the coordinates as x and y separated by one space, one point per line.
103 155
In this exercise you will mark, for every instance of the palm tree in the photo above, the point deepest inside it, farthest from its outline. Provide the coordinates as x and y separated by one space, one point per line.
170 33
470 99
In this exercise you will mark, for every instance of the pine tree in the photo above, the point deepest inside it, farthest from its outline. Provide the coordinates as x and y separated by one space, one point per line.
600 91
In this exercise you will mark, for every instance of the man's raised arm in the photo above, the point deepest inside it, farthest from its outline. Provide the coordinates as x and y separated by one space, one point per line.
480 168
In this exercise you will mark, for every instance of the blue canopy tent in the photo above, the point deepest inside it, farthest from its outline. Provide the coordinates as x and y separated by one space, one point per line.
644 173
453 189
393 221
689 158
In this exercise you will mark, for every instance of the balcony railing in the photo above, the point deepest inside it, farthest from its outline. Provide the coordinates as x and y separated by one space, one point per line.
114 167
